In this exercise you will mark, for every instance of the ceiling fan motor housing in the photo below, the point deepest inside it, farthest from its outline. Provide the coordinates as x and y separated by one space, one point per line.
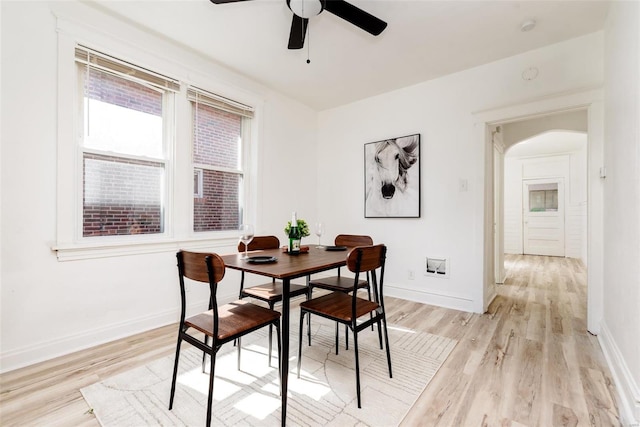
306 8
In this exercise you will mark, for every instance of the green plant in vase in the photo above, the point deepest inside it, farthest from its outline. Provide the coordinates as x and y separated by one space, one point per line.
302 226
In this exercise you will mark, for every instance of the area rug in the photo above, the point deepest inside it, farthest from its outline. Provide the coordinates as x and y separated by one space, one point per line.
325 394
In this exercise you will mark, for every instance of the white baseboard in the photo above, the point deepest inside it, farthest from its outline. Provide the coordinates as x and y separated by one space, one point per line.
628 391
491 297
42 351
455 302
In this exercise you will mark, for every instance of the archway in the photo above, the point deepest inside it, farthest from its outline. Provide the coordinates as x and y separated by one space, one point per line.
545 195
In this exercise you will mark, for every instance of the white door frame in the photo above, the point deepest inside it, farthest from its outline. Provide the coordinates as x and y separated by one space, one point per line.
498 210
592 100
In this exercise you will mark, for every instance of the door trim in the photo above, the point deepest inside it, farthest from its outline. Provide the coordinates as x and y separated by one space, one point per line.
592 101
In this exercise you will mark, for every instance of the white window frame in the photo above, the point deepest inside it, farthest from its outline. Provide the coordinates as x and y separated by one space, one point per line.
195 96
198 175
168 136
68 244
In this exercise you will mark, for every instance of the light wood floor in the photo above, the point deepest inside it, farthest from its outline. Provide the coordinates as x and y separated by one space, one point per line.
529 361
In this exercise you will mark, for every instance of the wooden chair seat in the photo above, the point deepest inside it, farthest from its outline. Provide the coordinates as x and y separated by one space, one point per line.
235 319
272 292
337 305
338 284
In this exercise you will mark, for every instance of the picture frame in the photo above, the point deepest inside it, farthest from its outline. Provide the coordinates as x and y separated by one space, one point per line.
392 178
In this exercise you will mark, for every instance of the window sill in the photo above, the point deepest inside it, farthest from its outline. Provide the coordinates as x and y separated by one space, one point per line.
93 250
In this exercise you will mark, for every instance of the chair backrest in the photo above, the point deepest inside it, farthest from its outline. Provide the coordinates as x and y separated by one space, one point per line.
193 265
366 258
261 242
201 267
369 260
353 240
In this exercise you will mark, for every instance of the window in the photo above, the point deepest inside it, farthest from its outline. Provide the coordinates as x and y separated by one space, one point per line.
543 198
219 128
123 145
128 151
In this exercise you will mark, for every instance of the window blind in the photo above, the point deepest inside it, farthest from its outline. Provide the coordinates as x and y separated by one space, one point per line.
220 102
118 67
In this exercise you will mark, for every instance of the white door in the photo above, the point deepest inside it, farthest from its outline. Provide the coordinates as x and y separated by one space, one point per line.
543 216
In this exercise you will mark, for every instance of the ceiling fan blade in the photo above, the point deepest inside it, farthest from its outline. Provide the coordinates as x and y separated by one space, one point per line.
298 31
225 1
356 16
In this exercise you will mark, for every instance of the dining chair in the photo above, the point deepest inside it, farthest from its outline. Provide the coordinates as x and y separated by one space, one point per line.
347 308
270 292
219 324
340 283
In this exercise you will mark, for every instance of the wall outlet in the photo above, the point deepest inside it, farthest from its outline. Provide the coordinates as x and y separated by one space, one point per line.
411 275
437 266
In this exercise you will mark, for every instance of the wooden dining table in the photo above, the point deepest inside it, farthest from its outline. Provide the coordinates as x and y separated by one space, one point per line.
286 268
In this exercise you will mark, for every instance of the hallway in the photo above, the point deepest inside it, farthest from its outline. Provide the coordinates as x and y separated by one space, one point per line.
529 361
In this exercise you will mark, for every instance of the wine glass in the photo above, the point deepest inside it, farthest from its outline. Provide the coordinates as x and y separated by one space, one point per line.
246 236
319 230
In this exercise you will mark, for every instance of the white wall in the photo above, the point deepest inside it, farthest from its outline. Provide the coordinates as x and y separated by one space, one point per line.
441 110
620 335
50 307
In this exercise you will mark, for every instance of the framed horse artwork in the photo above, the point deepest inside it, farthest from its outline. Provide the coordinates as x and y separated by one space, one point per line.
392 178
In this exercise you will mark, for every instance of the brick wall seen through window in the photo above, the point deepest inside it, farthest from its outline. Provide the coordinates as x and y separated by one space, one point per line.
121 196
217 136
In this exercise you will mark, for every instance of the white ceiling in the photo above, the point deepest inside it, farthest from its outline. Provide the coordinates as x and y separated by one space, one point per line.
424 39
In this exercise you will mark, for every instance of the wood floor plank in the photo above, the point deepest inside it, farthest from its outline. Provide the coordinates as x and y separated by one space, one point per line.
563 416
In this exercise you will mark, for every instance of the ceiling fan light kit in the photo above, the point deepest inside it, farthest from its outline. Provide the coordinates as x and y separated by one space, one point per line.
305 9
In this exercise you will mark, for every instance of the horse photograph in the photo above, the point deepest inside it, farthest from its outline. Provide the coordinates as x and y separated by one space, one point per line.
392 178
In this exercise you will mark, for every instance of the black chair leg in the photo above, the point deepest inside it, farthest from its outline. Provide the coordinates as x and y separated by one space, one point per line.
379 334
270 344
239 351
279 354
204 354
175 372
369 294
386 339
309 318
210 397
355 346
346 337
271 306
337 346
302 313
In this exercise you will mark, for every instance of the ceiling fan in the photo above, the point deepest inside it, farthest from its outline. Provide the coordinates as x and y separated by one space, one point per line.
305 9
